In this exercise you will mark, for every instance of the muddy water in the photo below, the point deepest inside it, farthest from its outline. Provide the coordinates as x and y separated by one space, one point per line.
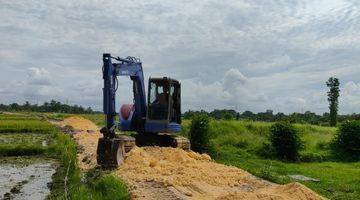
29 180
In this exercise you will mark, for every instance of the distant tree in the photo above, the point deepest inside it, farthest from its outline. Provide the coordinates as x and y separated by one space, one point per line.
228 116
223 114
333 98
237 116
248 115
52 106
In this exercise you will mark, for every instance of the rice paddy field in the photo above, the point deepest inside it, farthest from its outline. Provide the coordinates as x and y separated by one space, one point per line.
37 154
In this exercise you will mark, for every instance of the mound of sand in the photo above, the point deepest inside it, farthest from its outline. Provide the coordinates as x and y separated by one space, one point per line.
198 177
169 173
79 123
281 192
86 137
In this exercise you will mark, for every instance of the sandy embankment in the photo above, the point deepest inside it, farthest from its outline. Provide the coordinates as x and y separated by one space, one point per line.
168 173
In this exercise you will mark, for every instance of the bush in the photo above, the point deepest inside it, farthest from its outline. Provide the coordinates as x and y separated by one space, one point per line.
346 144
285 140
312 157
199 134
265 150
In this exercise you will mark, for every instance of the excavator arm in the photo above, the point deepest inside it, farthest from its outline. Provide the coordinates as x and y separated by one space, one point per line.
131 67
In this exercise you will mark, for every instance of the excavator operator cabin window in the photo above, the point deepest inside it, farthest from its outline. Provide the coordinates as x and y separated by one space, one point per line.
158 100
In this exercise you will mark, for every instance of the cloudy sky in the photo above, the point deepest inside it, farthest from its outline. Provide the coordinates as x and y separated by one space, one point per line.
243 55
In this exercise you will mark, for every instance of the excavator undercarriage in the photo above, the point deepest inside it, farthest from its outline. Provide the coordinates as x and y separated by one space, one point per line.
111 152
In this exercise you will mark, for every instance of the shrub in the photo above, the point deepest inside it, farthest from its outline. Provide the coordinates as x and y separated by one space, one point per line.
265 150
199 133
346 143
312 157
285 141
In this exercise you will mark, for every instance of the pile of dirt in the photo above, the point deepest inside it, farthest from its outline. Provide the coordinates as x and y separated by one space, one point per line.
79 123
169 173
86 137
281 192
196 176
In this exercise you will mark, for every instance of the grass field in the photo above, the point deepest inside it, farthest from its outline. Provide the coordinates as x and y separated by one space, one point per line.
245 144
28 135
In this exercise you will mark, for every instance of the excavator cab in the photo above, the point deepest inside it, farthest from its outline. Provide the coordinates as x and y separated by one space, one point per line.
164 101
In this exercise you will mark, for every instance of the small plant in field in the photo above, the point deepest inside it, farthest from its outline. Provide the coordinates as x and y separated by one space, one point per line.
199 133
285 141
267 173
346 143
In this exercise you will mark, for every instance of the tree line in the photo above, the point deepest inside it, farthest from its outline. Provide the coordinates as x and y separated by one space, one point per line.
52 106
308 117
270 116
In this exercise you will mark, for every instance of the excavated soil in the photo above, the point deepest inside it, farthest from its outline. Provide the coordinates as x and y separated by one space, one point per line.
169 173
86 136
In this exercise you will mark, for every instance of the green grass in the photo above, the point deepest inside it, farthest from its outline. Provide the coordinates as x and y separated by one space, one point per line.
23 136
98 119
55 116
245 144
25 126
106 187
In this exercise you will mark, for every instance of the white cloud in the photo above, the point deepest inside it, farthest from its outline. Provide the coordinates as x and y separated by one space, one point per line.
233 78
38 76
350 98
286 50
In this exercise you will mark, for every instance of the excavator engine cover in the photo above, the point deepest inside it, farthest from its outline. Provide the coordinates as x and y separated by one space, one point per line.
110 152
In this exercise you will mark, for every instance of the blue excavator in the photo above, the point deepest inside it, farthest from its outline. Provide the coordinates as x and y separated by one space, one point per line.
152 120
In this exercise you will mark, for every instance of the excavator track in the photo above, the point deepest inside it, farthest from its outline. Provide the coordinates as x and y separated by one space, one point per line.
111 152
163 140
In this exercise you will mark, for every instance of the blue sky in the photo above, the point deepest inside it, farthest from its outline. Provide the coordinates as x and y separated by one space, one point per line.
243 55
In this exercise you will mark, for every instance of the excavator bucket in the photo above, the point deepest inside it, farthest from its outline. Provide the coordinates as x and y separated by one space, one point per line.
110 152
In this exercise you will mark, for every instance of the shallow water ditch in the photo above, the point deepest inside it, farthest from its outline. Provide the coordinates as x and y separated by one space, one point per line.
26 177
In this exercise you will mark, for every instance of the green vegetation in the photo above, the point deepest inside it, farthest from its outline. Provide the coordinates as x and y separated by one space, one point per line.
246 144
52 106
346 144
199 134
285 141
106 187
25 126
333 98
307 117
23 134
98 119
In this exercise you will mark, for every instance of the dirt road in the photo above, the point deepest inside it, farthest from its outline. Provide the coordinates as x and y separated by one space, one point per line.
168 173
